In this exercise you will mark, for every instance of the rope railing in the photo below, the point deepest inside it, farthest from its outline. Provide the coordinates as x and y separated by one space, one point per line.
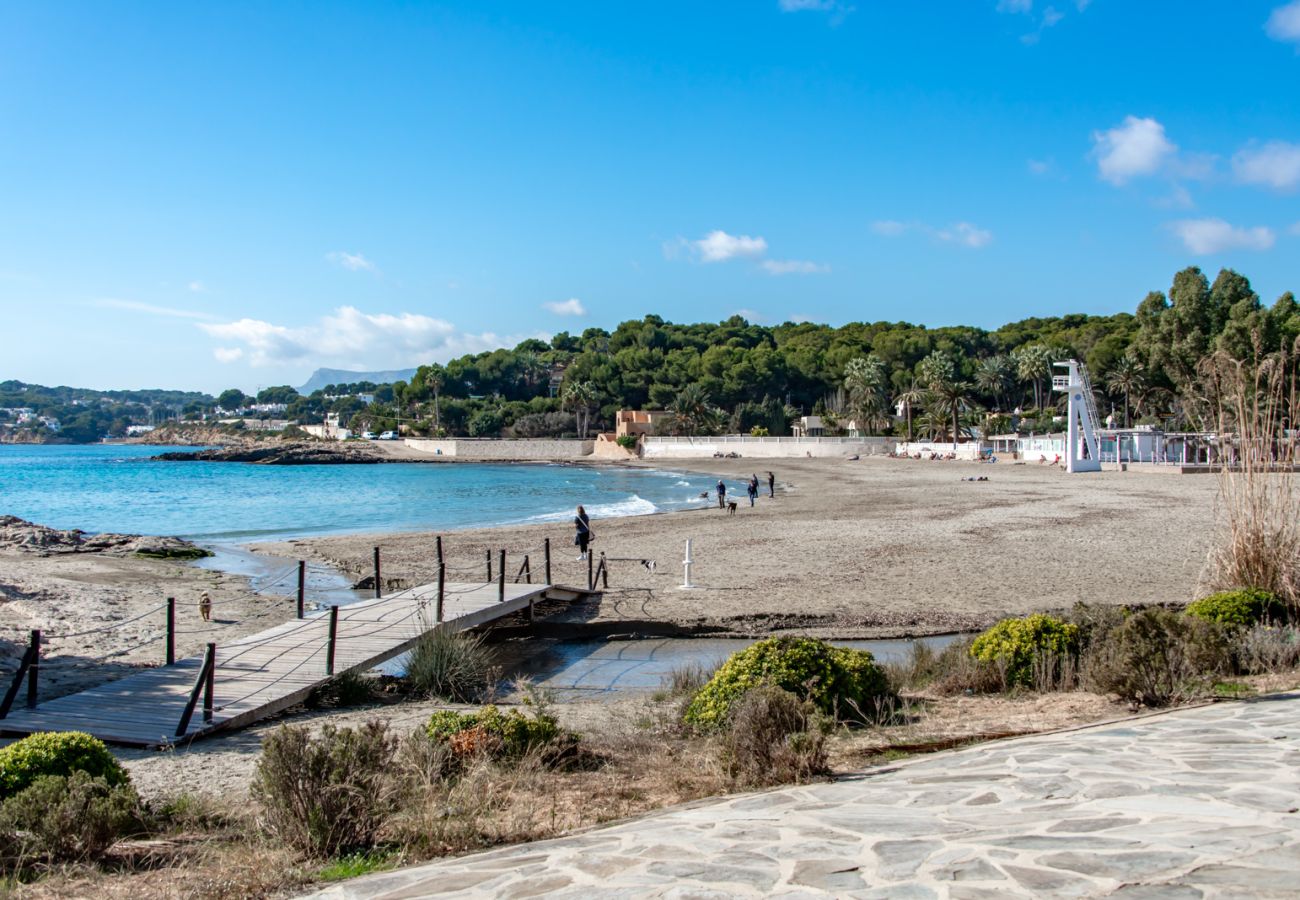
422 600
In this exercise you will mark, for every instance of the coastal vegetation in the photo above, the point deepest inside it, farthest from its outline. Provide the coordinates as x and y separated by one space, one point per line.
736 375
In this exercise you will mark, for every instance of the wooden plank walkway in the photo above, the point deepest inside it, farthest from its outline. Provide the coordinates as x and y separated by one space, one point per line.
265 673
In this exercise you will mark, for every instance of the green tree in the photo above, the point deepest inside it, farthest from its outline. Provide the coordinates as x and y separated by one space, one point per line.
232 399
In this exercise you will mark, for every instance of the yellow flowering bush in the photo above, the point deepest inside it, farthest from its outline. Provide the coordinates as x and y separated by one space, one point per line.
1017 643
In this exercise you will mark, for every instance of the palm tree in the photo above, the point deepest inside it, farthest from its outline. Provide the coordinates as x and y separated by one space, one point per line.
579 396
531 369
864 380
912 397
992 376
1127 378
435 376
692 412
1033 364
952 396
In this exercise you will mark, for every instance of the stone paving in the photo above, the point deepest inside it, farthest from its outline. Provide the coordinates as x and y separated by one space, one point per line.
1193 803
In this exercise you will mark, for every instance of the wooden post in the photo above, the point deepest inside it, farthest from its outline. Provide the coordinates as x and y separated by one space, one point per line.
379 591
171 631
34 670
334 633
302 586
210 683
528 571
546 546
531 615
501 579
442 588
438 545
591 577
488 554
604 571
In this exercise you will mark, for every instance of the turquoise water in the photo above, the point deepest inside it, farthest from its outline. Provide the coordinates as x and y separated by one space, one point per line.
117 488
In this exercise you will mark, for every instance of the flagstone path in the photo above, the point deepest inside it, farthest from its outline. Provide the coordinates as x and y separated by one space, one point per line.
1193 803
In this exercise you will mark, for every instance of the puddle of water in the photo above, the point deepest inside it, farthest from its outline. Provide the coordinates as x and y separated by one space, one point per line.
574 669
326 586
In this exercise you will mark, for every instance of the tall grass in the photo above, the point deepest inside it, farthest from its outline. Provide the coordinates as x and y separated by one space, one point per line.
456 667
1253 407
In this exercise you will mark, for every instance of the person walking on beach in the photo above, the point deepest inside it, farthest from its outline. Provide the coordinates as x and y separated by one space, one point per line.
752 489
722 494
582 532
771 485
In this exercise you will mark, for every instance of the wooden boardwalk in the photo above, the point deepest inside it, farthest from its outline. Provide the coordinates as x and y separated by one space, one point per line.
262 674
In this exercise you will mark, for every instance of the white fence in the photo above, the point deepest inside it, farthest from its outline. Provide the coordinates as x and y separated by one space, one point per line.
764 447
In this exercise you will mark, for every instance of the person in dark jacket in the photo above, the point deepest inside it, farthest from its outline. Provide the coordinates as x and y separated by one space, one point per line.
581 532
771 485
752 489
722 494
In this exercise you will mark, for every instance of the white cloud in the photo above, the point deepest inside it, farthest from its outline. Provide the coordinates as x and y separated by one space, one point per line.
794 267
349 338
963 233
151 309
1137 147
353 262
1051 16
889 227
1039 166
750 315
571 307
1179 198
799 318
197 287
1015 6
1216 235
966 234
1284 23
718 246
1275 164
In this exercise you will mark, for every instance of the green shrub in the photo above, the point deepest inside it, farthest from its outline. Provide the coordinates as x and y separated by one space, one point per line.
450 666
491 732
837 681
1020 645
1157 657
69 818
1267 648
56 753
771 738
325 794
1240 608
350 688
628 441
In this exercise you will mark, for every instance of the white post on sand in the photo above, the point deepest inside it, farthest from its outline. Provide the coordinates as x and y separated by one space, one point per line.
686 566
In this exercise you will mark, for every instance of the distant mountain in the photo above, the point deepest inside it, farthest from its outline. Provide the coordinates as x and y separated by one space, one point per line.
321 377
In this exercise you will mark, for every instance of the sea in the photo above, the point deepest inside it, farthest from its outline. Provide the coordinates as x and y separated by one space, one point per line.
118 488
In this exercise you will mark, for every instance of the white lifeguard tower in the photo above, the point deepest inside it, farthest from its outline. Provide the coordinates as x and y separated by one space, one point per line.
1082 447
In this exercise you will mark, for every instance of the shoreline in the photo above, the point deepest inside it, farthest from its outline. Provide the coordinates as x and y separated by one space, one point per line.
846 550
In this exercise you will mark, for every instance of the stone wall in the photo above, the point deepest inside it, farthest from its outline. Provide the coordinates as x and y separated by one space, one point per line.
489 449
764 447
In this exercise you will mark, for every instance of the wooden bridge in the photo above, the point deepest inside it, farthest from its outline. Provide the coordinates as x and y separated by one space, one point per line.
262 674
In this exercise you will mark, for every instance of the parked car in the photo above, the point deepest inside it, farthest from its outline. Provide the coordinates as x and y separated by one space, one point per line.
368 435
388 436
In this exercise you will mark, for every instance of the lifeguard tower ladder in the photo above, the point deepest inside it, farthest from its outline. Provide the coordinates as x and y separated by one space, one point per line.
1082 447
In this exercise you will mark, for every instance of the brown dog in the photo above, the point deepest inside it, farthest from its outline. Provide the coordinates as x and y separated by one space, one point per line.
205 607
731 507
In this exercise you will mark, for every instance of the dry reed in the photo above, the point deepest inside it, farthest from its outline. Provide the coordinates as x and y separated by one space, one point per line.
1253 411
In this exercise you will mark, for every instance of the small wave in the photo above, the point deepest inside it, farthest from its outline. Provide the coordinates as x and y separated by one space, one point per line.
632 506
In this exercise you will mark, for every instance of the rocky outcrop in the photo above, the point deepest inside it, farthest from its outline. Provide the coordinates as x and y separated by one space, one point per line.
281 454
20 534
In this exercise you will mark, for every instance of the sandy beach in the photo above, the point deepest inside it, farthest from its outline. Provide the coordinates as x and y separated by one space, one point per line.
874 547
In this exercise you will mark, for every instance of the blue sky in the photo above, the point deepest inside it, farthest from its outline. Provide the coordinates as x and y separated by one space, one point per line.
217 195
